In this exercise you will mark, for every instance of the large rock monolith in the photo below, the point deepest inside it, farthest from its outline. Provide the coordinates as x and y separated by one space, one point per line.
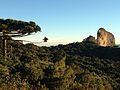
105 38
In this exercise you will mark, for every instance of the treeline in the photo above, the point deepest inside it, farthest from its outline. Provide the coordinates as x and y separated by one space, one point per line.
8 25
75 66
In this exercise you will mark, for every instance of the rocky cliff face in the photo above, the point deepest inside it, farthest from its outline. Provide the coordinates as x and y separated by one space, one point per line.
105 38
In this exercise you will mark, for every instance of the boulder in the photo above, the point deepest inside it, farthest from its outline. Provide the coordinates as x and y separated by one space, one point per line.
105 38
90 39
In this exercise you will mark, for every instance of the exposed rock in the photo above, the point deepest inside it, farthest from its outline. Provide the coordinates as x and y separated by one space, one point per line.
105 38
90 39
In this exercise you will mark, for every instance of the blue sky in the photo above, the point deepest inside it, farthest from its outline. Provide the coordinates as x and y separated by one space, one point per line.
65 21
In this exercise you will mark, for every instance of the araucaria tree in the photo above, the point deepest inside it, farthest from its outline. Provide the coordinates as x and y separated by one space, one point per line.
20 27
15 28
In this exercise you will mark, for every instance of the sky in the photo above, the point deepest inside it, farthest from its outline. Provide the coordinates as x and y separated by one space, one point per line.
65 21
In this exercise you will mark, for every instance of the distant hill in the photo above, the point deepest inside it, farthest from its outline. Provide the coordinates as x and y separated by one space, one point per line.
75 66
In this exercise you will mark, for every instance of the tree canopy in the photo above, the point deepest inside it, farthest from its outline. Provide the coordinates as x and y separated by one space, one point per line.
75 66
17 26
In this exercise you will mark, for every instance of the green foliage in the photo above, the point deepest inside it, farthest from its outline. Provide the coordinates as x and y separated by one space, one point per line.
8 25
76 66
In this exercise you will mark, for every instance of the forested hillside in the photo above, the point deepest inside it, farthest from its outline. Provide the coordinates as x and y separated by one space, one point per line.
75 66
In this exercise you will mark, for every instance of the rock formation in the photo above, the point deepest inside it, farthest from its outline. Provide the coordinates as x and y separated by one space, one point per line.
105 38
90 39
